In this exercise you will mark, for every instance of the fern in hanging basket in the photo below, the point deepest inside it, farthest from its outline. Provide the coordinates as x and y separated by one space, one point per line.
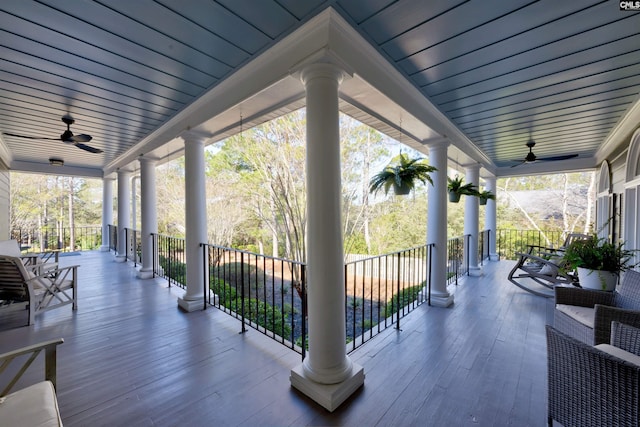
485 195
401 173
457 188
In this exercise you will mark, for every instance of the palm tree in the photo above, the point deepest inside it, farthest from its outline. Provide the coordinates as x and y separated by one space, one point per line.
401 173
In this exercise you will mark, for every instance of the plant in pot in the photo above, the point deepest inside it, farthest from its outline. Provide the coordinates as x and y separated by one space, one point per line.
598 262
401 173
485 195
457 188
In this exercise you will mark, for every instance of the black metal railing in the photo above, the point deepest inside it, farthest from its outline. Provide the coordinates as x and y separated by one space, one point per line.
113 237
457 258
170 260
510 241
43 239
483 246
381 290
263 292
133 249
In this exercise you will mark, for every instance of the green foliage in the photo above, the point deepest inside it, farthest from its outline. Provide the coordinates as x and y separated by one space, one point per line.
486 195
406 297
399 223
174 269
456 185
270 317
401 173
599 254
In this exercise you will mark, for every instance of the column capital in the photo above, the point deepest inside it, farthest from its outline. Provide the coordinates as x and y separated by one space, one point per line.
472 166
195 136
124 173
322 70
149 160
436 143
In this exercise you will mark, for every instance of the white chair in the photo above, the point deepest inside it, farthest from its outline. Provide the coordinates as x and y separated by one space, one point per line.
42 290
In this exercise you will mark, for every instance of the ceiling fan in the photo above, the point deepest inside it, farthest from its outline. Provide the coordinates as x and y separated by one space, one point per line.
531 158
67 137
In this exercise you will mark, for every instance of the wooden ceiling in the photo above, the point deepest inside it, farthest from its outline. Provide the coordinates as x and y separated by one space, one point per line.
565 74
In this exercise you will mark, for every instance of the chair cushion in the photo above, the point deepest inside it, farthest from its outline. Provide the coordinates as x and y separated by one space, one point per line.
35 405
584 315
619 353
549 269
10 248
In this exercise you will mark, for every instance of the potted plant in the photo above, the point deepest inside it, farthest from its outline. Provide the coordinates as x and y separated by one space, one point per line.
401 173
598 262
485 195
457 188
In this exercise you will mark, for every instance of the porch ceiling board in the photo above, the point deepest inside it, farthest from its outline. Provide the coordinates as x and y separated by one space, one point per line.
498 72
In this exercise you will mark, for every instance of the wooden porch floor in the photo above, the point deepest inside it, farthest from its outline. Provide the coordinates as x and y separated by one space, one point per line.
132 358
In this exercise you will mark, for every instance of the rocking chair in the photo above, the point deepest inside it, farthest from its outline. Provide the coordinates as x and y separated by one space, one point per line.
540 268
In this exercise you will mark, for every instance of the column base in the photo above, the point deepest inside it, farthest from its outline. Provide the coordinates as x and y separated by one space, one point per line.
145 273
329 396
475 271
191 305
105 248
443 300
121 258
494 257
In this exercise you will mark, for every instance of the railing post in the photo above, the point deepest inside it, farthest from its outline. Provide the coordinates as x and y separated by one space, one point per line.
244 329
170 258
205 263
429 253
398 294
467 244
303 279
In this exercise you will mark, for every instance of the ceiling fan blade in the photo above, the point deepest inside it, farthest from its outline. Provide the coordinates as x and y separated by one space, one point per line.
520 162
81 138
553 158
88 148
31 137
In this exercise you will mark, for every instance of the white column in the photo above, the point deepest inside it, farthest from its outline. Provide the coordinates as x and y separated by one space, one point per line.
123 213
195 220
490 222
471 219
437 224
107 212
327 374
134 202
148 215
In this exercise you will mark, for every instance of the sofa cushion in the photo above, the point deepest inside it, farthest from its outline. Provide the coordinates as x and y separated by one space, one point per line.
620 353
35 405
584 315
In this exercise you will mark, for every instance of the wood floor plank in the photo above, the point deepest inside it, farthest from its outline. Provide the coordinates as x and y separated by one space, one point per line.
132 357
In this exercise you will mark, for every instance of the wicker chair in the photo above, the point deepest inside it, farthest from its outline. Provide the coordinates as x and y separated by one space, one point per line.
587 314
589 386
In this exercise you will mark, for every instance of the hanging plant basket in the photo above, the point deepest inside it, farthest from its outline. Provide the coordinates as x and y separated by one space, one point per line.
483 196
457 188
401 174
402 190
